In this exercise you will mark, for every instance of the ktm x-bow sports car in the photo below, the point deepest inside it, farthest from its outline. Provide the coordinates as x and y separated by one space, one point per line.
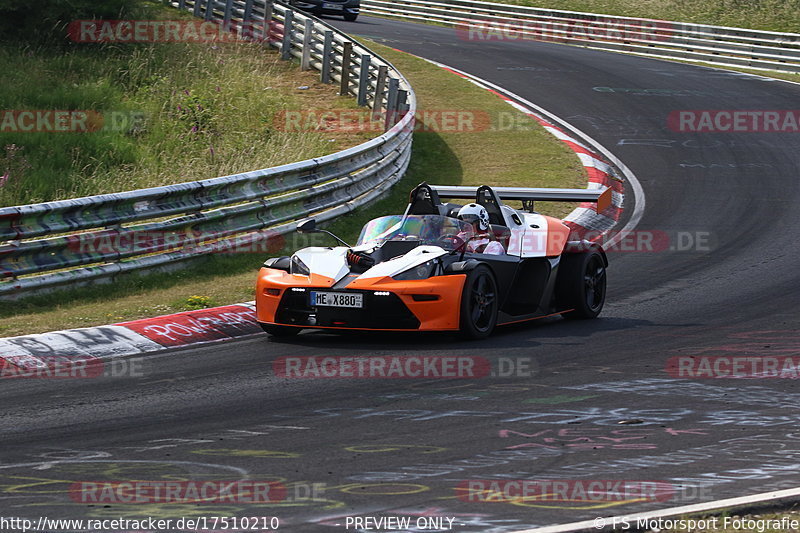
421 271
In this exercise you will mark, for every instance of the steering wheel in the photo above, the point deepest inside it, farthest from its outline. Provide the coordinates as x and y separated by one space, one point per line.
452 242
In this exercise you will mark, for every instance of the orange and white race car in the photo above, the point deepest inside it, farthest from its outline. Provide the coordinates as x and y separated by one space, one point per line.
441 267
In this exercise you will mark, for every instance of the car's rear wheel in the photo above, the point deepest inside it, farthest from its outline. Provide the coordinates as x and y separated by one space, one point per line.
280 331
581 284
350 17
479 303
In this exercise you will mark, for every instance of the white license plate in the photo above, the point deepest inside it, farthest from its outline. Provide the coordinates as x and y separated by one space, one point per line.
326 5
337 299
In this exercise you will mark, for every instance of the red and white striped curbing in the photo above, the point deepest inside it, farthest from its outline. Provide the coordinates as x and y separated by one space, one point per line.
29 352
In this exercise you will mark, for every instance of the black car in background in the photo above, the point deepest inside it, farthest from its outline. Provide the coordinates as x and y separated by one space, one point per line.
346 8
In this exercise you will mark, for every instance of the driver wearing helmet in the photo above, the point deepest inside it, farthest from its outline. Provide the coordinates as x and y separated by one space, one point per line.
482 241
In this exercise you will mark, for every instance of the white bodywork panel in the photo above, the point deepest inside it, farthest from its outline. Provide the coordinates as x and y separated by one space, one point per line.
392 267
329 262
332 262
527 241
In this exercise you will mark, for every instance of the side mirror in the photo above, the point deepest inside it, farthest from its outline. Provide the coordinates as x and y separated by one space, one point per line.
308 225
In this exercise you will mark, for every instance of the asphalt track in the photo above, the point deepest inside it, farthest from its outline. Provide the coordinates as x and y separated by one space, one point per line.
598 404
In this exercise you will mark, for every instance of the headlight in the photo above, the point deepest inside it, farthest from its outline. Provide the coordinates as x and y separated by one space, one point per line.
423 271
298 267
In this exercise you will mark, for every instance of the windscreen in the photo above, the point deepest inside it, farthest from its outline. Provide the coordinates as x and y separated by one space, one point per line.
436 230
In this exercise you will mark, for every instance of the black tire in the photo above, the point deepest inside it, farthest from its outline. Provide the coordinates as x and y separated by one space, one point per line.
350 17
280 331
479 303
581 284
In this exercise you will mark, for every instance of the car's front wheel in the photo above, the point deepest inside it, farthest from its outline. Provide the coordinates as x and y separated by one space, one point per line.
479 303
280 331
350 17
581 284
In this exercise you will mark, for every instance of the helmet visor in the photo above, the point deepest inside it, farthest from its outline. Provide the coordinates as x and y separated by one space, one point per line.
470 219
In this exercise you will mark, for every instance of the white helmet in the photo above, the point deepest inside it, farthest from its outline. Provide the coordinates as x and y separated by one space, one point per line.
473 213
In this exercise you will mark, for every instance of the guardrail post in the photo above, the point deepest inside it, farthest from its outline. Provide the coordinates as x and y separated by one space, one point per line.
209 10
269 8
196 11
226 19
363 79
402 105
305 61
347 56
391 103
246 31
286 45
402 101
181 4
327 47
380 84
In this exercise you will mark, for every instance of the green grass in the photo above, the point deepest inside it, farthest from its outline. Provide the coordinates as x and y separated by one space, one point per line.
525 155
770 15
172 112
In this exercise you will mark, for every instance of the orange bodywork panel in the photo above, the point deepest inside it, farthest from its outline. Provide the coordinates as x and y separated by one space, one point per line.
441 314
271 278
604 201
557 236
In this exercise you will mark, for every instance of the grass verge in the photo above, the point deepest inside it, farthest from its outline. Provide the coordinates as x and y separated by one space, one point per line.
160 113
769 15
503 148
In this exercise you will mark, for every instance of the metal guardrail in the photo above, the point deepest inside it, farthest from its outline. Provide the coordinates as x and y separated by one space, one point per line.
719 45
67 242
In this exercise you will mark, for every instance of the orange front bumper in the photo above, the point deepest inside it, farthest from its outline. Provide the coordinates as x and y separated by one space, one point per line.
439 314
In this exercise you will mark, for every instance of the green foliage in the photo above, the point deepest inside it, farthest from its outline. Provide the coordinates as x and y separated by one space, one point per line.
193 303
33 20
770 15
172 112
